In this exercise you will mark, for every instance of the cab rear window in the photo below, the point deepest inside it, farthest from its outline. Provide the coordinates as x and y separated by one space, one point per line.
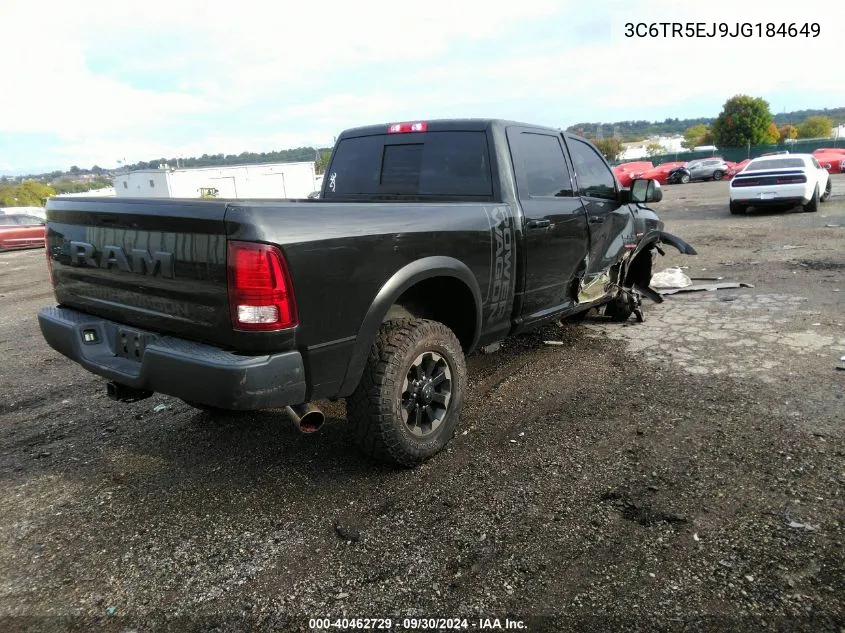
436 164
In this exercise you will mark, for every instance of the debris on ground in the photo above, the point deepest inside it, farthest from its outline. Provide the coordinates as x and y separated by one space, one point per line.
783 247
670 278
553 342
160 407
795 525
841 364
706 287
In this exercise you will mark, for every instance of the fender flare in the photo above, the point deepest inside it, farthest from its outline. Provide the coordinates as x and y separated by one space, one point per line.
664 238
653 238
404 278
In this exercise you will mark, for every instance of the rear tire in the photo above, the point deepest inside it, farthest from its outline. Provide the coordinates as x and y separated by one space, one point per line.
813 205
828 188
408 402
717 175
685 179
737 209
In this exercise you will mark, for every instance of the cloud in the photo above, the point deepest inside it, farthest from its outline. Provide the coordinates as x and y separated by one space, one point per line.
93 83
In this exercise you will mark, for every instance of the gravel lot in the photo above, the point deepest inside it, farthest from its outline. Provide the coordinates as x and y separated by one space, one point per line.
681 474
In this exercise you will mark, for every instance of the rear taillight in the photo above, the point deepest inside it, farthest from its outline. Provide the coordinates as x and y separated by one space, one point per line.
260 290
790 180
406 128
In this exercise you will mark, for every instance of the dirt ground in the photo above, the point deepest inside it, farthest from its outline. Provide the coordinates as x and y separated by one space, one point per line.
682 474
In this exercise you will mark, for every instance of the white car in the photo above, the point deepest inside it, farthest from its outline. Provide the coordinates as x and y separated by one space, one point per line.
785 180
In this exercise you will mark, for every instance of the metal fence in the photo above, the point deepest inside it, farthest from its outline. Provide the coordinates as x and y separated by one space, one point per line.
739 154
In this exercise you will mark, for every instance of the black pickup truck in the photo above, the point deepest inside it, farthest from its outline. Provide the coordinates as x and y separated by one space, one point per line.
428 241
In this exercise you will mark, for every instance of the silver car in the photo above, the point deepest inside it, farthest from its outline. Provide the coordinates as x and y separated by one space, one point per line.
707 168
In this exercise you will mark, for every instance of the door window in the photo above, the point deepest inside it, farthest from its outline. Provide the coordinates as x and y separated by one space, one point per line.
541 159
595 180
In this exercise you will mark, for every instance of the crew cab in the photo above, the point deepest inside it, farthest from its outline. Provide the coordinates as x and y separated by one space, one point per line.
780 180
429 240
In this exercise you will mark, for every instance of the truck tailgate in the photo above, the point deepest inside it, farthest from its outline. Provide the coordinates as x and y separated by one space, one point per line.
159 265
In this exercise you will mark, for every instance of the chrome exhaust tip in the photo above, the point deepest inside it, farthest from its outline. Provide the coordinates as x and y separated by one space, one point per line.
306 417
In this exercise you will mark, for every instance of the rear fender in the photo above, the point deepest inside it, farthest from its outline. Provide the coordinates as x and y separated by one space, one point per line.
402 280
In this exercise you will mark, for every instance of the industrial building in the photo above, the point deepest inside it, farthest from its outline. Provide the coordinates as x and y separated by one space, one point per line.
272 180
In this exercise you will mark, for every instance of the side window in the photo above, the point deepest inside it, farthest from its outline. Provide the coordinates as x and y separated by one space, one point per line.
6 220
542 161
816 163
595 180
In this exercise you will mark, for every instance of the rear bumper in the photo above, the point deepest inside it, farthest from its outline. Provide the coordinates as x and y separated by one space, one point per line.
780 194
192 371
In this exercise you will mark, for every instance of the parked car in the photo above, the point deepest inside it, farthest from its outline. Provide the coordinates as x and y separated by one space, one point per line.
707 169
429 240
679 176
735 168
21 231
626 172
660 173
786 180
37 212
832 159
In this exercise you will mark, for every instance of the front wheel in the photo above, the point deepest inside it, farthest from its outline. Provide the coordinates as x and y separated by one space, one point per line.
685 179
717 175
410 396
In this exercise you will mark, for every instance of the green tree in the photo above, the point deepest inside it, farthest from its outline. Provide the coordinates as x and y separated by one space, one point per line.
322 163
697 135
787 132
611 148
654 149
815 127
743 120
29 193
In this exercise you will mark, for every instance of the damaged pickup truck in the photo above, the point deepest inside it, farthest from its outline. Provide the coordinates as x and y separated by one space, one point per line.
429 240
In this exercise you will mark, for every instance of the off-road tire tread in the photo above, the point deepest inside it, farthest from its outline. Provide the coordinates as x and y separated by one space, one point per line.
371 414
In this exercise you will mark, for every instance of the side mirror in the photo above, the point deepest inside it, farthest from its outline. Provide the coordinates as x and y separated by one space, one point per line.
645 190
826 166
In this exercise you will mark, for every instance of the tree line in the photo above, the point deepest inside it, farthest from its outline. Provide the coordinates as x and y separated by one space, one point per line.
32 193
744 120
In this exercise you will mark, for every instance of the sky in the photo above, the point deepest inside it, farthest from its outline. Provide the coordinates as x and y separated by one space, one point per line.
94 82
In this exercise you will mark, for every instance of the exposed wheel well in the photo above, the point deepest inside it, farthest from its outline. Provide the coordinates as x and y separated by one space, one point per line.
444 299
639 270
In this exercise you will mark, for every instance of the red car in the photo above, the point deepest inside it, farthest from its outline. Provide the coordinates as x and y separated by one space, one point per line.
626 172
737 167
661 172
835 157
21 231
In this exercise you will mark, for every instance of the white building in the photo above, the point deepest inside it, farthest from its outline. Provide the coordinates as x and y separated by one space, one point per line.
93 193
273 180
639 149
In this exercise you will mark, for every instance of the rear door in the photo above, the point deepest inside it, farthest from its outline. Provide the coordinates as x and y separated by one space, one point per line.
610 222
554 221
696 169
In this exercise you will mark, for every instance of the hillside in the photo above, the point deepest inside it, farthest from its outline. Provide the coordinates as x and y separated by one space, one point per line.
638 130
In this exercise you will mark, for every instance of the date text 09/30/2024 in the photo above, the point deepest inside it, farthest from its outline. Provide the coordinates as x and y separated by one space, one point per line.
416 624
